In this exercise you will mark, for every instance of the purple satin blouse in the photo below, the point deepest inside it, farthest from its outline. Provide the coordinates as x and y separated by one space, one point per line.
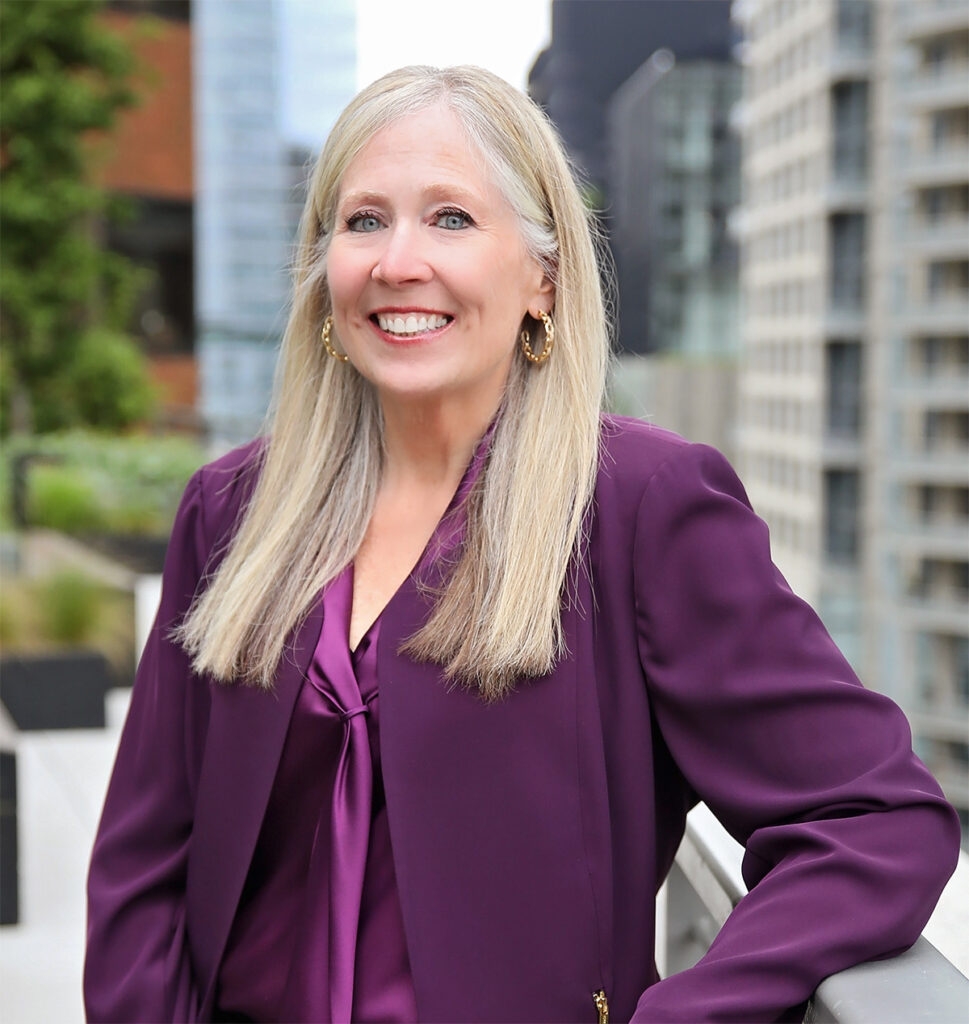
318 935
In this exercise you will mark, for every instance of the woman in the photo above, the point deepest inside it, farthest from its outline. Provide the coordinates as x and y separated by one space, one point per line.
572 623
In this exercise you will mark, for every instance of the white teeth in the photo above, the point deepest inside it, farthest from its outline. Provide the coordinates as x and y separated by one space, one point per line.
411 324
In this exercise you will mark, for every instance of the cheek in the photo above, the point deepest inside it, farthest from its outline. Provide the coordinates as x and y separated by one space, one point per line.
345 276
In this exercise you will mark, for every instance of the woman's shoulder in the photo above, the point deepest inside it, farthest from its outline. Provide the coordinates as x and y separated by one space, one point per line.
632 450
236 467
218 490
637 456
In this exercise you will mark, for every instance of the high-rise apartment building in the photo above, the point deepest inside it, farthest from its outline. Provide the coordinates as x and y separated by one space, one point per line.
854 433
244 210
918 515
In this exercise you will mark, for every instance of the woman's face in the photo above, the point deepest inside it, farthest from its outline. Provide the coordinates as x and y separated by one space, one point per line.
428 274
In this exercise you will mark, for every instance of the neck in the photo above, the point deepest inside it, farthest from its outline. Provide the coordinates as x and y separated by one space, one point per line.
431 443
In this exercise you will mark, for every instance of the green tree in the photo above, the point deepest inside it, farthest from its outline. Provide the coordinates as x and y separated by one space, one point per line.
65 77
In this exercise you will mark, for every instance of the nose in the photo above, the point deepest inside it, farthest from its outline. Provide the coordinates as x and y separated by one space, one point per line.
403 259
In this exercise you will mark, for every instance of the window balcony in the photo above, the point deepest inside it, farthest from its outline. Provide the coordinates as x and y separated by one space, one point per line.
845 191
841 321
841 450
940 239
940 722
945 389
920 985
948 467
847 62
946 164
928 18
938 537
939 86
946 314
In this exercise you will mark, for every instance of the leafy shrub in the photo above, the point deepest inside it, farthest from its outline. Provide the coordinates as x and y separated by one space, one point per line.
109 380
68 610
70 607
11 616
59 499
133 483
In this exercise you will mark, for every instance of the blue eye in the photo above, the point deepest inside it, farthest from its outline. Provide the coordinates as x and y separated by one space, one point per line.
365 222
452 220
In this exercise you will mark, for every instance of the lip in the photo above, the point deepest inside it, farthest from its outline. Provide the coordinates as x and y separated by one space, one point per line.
410 339
424 310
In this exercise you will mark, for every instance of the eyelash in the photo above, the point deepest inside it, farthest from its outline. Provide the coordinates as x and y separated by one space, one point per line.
353 220
447 211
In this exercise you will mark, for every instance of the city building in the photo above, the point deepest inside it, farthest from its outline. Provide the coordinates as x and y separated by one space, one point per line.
674 177
918 451
594 80
248 192
854 387
149 163
597 44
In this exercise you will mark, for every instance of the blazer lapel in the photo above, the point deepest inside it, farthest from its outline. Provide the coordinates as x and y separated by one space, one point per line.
247 731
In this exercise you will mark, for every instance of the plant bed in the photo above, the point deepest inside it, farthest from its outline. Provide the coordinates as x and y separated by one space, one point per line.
70 626
55 690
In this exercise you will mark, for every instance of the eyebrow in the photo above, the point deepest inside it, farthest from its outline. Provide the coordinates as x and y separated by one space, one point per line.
433 191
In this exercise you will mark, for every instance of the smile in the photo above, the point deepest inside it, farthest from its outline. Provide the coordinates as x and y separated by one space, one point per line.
405 325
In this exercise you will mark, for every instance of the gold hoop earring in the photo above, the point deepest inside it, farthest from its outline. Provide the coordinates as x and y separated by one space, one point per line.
549 340
330 350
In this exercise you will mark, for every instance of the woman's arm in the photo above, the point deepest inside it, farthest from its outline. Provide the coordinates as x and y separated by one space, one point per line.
848 838
137 966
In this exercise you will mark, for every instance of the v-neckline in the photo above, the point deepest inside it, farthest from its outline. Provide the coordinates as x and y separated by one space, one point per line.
437 546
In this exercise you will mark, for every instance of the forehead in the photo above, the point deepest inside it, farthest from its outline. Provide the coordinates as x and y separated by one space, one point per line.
430 146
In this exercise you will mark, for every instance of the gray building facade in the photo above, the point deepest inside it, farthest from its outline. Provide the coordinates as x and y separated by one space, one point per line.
244 210
674 181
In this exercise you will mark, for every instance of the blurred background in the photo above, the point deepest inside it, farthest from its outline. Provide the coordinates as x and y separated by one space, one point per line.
785 189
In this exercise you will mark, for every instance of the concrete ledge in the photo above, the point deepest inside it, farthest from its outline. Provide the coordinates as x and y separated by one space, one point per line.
917 987
920 986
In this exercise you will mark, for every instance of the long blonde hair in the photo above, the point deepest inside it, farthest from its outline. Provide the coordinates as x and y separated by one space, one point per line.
498 615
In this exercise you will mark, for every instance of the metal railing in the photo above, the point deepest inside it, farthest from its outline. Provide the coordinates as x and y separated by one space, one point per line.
918 987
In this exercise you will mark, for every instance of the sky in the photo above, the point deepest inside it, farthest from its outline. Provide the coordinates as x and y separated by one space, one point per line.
504 36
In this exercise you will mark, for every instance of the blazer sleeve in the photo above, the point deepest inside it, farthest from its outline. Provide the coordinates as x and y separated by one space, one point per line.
848 838
137 965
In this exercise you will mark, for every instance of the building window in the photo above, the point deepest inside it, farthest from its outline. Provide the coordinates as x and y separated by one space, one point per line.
843 377
849 114
841 502
960 660
854 24
847 261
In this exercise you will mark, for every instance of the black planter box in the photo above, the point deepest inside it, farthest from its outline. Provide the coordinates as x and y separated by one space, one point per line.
136 552
63 690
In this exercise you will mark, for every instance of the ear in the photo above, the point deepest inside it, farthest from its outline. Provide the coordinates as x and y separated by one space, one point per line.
543 299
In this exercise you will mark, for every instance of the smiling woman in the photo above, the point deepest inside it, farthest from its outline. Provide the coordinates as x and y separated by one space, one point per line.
428 273
443 661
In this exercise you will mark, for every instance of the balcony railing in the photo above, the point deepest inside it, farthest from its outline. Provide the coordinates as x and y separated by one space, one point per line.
945 164
940 537
946 389
947 314
931 17
939 86
920 985
946 237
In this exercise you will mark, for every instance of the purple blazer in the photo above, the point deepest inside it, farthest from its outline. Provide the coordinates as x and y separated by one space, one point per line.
530 836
